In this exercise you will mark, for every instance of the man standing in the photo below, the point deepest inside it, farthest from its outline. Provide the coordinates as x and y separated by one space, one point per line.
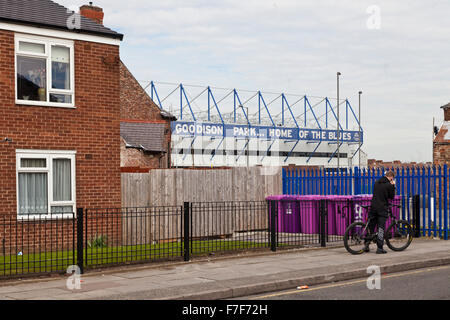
383 191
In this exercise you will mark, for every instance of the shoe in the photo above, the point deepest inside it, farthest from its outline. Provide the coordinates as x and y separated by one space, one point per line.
381 251
366 248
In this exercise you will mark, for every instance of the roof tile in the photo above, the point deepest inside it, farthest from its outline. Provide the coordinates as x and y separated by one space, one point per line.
46 13
146 136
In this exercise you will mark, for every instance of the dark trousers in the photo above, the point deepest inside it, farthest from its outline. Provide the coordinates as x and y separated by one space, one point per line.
378 219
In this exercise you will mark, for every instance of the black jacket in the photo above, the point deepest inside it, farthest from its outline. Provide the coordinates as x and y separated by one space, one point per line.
383 191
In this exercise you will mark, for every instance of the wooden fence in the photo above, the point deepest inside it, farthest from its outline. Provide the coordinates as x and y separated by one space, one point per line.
173 187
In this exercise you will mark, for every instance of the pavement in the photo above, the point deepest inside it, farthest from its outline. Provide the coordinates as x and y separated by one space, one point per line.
229 277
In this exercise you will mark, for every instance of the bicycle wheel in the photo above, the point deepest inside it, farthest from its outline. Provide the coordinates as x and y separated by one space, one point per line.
354 237
399 235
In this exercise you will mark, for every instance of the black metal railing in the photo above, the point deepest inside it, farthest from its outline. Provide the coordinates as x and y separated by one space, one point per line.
132 235
36 244
91 238
216 227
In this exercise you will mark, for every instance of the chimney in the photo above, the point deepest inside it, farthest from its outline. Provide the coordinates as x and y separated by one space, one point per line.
446 112
92 12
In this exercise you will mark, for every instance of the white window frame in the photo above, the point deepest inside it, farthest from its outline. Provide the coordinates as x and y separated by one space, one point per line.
49 156
48 43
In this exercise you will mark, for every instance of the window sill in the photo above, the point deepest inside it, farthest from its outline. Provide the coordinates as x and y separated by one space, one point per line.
46 217
45 104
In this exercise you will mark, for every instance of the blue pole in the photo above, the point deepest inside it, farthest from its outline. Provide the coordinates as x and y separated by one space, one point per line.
413 185
332 183
321 182
259 106
434 202
209 105
317 174
296 191
305 111
440 201
408 190
291 181
362 184
306 189
445 177
429 200
417 179
346 114
181 101
234 96
344 178
352 191
424 194
403 192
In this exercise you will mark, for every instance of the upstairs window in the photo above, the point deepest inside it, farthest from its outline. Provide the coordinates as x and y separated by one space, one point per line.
44 72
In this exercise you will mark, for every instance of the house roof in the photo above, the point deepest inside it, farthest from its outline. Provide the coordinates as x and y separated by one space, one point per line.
146 136
46 13
168 115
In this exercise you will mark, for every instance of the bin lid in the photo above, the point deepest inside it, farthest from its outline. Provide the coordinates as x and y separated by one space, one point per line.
282 197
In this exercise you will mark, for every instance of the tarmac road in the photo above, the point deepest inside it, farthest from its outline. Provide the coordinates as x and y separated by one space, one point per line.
421 284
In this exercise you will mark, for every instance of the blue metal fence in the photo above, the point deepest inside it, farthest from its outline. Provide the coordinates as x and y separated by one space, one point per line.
430 183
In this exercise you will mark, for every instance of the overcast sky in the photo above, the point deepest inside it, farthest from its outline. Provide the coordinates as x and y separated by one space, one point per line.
396 52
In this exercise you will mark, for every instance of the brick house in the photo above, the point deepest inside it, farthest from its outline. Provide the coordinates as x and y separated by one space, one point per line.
441 144
60 109
145 128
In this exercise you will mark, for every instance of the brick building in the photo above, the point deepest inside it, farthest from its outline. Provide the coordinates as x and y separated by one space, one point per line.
373 163
145 128
441 144
60 109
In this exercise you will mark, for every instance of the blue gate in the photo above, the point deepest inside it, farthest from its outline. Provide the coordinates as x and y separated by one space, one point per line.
430 183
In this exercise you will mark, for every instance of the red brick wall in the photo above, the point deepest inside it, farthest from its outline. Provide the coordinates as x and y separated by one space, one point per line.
134 158
135 104
441 153
92 128
441 146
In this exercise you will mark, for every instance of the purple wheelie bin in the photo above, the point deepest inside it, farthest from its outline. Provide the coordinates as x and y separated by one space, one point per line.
361 214
297 214
309 206
288 219
301 213
339 212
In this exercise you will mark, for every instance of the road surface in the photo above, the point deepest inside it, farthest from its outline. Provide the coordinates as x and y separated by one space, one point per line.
422 284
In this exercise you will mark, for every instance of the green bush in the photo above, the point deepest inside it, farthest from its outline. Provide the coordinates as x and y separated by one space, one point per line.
98 242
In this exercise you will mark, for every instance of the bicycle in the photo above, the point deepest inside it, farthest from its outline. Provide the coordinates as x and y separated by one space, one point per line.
398 236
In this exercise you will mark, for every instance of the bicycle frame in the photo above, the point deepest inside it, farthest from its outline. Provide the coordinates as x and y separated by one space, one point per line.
390 215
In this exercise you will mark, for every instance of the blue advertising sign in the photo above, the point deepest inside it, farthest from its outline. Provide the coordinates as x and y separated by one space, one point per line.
261 132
